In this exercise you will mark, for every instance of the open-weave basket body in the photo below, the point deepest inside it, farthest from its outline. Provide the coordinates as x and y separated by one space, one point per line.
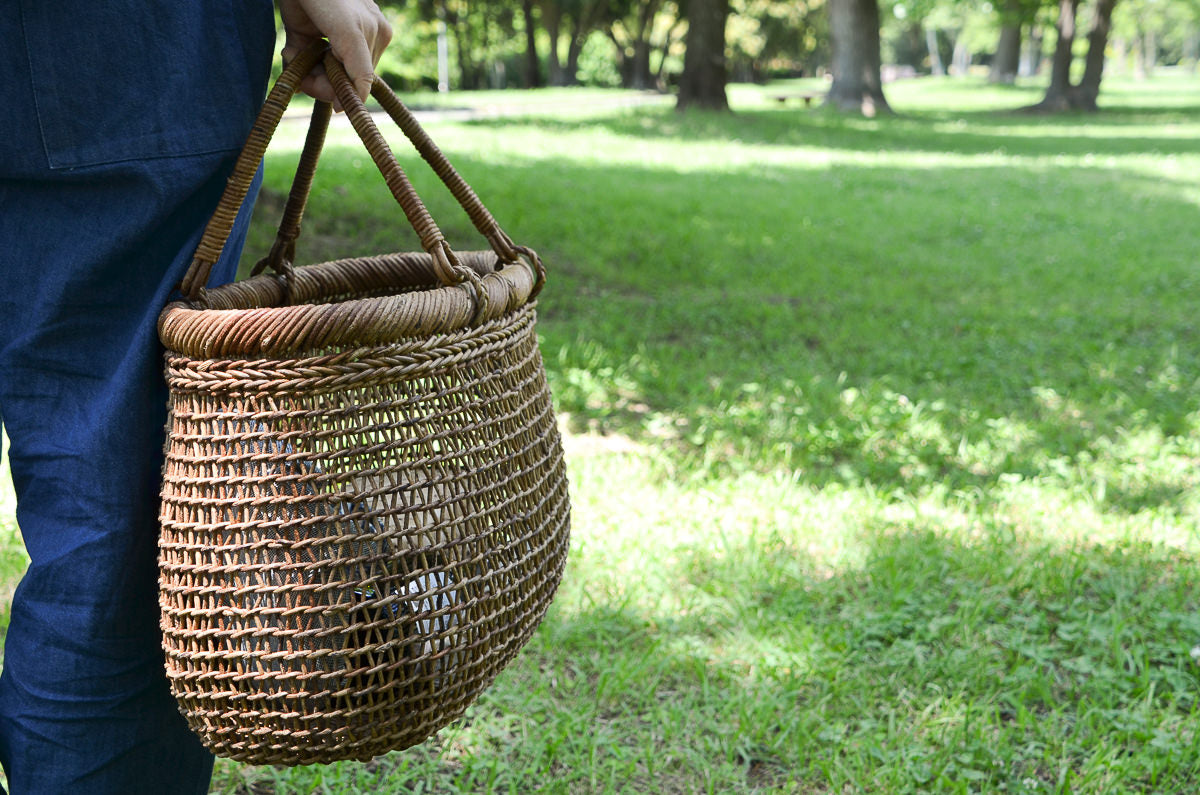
357 536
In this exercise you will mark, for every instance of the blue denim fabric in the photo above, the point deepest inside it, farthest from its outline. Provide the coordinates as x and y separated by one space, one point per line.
121 124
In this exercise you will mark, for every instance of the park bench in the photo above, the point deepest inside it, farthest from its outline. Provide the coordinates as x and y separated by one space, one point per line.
807 96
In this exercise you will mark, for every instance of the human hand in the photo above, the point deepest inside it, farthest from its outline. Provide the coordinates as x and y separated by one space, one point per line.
357 33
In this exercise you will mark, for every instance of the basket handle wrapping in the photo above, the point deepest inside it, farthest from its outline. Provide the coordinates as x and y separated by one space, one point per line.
446 264
216 233
283 252
483 220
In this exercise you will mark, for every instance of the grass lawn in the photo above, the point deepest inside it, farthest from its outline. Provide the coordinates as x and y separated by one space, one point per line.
883 437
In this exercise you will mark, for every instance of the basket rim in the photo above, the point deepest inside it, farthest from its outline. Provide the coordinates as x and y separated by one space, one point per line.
316 307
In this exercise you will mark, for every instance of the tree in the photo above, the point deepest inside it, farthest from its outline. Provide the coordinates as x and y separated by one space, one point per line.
577 19
1156 30
1007 58
1032 50
584 16
533 69
1088 90
969 26
632 29
552 13
483 35
854 27
1061 94
702 84
1058 94
935 56
773 37
1006 62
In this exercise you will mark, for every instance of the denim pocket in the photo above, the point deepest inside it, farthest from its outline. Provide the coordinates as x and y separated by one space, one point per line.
129 80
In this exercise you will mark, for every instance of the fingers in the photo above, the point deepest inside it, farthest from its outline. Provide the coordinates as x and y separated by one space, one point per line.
317 86
315 83
361 49
358 34
359 63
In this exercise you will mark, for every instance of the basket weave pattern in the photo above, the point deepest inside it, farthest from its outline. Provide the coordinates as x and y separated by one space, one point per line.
355 543
364 509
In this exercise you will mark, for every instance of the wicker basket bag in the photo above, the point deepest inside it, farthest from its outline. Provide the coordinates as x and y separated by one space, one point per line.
364 504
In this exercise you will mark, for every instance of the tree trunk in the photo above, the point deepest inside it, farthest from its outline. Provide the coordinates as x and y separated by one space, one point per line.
1120 59
552 22
702 84
443 53
1191 52
1088 91
1061 95
642 78
1007 59
462 51
935 57
1058 95
1031 54
1150 51
633 45
533 74
668 42
960 61
571 72
854 29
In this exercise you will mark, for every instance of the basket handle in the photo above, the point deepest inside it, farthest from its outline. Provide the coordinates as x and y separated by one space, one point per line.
216 233
283 251
446 264
483 220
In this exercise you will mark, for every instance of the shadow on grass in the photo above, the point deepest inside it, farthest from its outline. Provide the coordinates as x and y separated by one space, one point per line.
976 132
937 661
884 662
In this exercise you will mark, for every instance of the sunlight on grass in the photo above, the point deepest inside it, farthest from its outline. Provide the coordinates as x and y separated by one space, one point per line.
8 499
13 559
882 435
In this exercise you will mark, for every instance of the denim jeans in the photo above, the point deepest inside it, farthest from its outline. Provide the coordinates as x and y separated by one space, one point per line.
121 123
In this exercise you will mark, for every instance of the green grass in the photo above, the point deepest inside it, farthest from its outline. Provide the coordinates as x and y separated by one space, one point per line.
13 559
883 437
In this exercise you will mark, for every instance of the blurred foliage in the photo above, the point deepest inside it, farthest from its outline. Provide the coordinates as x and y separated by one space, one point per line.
640 43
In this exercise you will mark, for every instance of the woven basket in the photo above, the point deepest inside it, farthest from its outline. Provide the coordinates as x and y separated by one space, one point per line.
364 504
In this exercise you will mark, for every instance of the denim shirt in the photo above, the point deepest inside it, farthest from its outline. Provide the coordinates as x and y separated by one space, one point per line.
185 69
119 124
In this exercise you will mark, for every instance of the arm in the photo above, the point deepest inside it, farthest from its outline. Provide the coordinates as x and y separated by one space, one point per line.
357 33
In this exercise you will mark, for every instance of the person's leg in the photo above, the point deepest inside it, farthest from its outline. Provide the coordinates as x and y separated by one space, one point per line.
84 704
106 180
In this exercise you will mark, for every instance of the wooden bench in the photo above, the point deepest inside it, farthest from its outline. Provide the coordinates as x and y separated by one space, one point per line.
807 96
